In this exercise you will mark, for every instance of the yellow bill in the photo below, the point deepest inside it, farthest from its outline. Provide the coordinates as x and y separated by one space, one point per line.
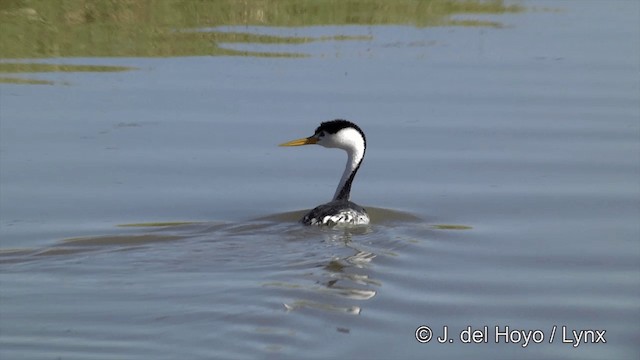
298 142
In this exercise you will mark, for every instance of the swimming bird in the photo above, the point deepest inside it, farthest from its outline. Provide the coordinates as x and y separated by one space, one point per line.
345 135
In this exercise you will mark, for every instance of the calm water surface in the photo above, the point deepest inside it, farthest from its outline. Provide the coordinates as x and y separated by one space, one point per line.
503 176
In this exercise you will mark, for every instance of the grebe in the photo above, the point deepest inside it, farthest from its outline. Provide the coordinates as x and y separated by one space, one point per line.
345 135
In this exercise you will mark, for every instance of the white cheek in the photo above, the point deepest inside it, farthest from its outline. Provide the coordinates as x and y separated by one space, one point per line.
327 142
347 139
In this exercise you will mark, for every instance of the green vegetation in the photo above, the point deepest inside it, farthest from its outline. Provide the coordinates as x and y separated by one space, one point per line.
33 29
81 28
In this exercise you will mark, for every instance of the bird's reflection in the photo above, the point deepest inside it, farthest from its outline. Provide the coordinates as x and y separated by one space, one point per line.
344 278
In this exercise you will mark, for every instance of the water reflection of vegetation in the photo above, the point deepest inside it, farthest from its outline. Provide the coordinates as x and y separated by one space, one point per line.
451 227
8 80
160 224
39 67
15 68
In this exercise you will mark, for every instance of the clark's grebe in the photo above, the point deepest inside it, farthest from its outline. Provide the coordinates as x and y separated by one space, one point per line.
345 135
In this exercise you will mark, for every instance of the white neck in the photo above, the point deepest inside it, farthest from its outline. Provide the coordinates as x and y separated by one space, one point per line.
351 141
354 157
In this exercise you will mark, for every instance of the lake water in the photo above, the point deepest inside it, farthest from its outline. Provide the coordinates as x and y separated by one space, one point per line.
502 176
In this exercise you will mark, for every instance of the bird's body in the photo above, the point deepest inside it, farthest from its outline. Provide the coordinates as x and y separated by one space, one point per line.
348 136
336 212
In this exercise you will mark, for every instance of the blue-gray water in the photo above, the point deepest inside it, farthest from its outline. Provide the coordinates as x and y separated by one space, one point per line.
526 137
